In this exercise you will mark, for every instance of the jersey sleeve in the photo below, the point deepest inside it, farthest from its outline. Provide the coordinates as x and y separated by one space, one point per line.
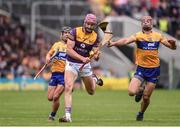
72 35
96 43
134 37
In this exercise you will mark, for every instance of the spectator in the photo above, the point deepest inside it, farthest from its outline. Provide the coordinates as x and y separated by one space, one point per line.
163 24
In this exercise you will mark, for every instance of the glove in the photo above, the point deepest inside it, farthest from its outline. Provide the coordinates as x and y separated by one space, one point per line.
172 43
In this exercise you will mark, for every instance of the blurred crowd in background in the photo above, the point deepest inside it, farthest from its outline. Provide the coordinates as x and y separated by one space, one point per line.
21 57
166 13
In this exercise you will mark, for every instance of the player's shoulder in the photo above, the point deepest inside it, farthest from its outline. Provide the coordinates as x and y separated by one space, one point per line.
58 43
73 32
157 34
138 34
76 29
154 33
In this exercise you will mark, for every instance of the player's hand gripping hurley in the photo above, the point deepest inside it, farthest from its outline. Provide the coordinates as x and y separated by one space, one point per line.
107 37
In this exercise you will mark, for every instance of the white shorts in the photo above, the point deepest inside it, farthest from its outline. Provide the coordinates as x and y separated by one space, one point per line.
74 67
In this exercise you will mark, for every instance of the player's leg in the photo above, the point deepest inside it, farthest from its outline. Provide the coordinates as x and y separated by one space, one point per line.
50 93
58 91
146 100
55 105
98 81
90 80
54 92
146 96
51 90
70 77
151 76
87 71
90 84
134 86
52 86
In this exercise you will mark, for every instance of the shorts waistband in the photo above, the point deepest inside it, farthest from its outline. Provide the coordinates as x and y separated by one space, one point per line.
56 73
147 67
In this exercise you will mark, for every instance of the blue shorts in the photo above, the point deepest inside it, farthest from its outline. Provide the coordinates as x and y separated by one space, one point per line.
147 74
57 78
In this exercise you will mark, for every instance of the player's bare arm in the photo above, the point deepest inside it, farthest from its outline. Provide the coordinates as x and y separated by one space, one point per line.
49 55
169 43
74 54
121 42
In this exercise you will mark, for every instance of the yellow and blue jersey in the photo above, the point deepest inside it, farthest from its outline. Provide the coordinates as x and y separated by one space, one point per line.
84 42
147 49
59 60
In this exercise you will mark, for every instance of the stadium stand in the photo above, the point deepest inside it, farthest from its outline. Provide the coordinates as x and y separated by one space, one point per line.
18 49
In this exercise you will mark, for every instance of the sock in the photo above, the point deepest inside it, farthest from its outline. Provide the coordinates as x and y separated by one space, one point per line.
68 112
95 78
53 114
141 113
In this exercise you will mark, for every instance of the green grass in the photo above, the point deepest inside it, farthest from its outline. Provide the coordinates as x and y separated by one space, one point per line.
105 108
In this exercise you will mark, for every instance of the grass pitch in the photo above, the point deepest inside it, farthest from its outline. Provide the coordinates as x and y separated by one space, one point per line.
105 108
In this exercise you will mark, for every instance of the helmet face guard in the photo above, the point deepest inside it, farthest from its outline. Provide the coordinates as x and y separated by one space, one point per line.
65 33
66 29
90 23
147 23
90 18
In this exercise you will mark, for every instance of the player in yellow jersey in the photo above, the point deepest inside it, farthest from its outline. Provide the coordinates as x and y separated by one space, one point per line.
147 61
56 84
81 42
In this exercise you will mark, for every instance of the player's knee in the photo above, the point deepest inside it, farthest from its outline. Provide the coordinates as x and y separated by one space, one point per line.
131 92
91 92
50 98
68 87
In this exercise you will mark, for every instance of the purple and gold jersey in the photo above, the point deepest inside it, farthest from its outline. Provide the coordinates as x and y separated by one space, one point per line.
83 43
147 49
59 60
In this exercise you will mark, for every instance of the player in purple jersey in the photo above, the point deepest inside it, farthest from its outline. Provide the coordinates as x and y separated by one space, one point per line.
81 42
